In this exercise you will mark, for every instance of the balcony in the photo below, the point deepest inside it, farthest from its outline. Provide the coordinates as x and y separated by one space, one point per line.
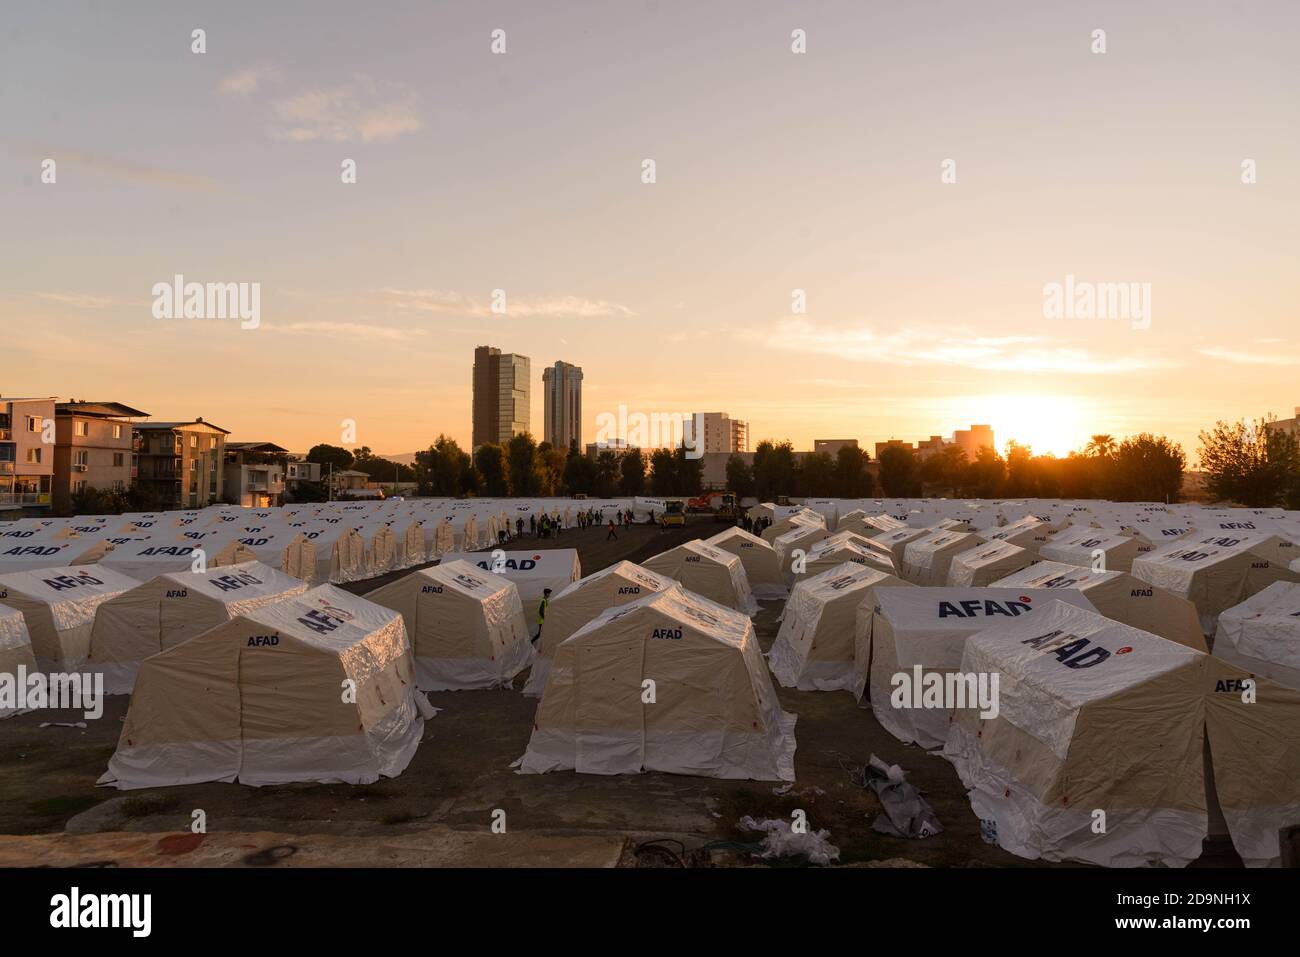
24 498
6 434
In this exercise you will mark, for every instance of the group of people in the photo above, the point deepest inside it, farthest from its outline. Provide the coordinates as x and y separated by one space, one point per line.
753 524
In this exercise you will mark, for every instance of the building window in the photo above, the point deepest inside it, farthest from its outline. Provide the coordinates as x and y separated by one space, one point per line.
117 431
81 457
194 465
212 442
34 456
33 423
194 441
119 459
79 487
80 427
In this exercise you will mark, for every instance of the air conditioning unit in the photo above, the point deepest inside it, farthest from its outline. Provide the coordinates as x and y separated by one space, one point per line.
80 468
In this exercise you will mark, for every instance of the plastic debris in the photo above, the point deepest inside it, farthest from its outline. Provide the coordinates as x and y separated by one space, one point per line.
906 813
780 840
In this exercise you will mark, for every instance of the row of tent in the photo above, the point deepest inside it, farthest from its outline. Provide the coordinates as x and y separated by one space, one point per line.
1108 701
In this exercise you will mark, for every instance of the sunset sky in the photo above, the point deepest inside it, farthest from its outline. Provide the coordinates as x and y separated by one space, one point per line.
775 172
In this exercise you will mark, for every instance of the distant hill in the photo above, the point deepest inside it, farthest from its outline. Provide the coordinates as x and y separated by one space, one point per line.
401 458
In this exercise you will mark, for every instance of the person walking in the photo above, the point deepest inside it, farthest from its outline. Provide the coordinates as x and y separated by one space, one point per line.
612 534
541 613
519 528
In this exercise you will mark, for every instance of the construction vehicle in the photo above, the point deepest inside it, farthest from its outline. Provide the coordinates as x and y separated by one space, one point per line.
721 505
674 514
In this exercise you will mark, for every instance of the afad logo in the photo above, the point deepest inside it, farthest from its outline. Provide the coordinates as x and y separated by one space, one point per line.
984 608
234 582
1071 650
39 550
325 619
63 582
515 564
671 634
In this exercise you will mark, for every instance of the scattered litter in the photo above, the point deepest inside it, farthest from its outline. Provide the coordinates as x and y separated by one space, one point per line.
781 841
906 813
62 724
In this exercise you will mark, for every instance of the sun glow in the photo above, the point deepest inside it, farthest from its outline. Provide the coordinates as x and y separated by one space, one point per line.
1048 424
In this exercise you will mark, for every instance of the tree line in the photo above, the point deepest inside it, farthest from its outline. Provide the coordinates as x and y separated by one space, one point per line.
1253 463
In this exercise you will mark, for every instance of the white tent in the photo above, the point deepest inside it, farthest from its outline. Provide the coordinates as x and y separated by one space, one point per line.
1252 725
1092 715
711 710
147 559
467 626
926 560
800 537
813 650
1027 532
922 630
21 551
1087 547
981 567
532 572
762 570
1262 634
59 606
15 652
1120 596
173 608
330 550
894 543
840 548
1216 572
318 687
711 572
584 600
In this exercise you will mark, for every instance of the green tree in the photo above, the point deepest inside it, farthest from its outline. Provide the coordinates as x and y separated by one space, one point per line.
740 477
899 474
688 472
525 472
492 467
817 475
1251 463
663 472
774 469
631 472
550 462
852 477
607 473
440 468
1146 468
579 474
328 455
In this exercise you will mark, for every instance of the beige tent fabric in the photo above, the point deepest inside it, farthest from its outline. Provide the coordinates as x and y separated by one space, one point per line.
585 600
813 651
801 537
328 552
925 628
710 709
762 569
1215 572
894 543
1028 533
173 608
926 560
1085 546
708 571
40 552
982 566
1122 597
802 518
147 558
467 626
58 605
318 687
15 651
1253 724
837 550
1262 634
1092 716
883 523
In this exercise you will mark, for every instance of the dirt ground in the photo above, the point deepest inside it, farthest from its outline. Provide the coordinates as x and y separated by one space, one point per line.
461 774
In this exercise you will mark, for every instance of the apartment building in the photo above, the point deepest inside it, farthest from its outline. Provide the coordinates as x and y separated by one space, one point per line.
255 473
26 454
92 448
297 471
719 432
832 446
502 396
562 392
181 462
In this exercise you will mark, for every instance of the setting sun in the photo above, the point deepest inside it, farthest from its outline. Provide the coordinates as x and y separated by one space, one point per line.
1048 424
